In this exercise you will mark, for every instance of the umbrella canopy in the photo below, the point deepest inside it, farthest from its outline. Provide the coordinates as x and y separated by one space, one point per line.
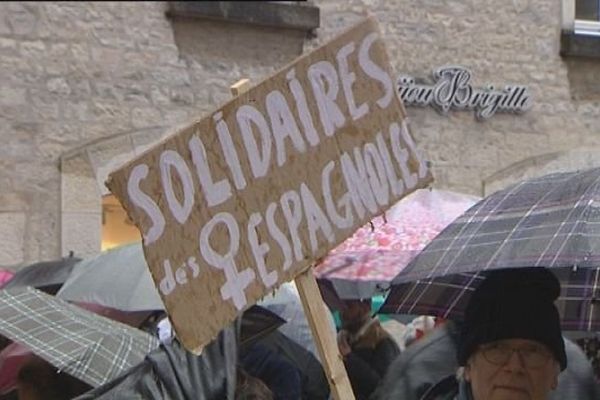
16 354
87 346
552 221
118 278
369 260
258 322
5 276
47 276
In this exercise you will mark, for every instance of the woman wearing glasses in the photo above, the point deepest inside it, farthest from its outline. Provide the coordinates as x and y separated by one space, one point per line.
510 346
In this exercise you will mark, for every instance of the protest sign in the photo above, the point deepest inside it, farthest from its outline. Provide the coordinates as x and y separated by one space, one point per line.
236 203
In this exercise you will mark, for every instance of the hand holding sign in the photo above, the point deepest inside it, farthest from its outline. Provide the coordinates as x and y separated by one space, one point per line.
238 202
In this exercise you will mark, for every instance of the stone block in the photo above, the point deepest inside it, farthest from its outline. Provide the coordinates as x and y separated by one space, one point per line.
58 86
12 237
12 202
79 187
81 233
143 117
22 18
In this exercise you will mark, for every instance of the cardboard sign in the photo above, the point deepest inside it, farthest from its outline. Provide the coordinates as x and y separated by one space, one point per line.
235 204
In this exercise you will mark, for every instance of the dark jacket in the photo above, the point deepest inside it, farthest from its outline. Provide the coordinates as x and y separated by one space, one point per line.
433 358
172 373
312 376
280 375
372 354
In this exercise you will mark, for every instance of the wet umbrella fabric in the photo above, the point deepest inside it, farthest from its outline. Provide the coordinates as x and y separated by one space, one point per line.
118 278
15 354
87 346
171 372
367 262
552 221
47 276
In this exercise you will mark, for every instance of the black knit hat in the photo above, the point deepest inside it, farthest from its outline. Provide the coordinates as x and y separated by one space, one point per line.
516 303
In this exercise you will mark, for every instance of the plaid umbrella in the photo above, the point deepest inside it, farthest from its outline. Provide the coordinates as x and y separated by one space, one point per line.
87 346
552 221
368 261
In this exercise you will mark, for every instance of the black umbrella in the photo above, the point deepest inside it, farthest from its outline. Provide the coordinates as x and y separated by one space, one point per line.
551 221
48 276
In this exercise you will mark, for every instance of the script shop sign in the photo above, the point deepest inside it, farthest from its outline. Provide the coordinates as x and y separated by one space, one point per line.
247 198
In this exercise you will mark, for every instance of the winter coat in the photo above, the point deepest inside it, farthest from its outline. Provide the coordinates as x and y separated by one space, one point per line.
373 351
433 358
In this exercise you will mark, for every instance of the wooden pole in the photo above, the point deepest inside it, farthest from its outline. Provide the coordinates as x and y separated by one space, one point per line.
316 314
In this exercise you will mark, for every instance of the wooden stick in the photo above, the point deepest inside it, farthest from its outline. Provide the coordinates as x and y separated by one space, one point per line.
316 314
240 87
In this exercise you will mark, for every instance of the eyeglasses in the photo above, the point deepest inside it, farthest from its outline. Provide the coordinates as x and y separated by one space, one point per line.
500 353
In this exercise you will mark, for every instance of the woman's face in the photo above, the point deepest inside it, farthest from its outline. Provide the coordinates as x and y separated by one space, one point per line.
512 369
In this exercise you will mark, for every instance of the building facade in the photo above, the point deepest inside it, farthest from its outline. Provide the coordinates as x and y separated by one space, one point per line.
86 86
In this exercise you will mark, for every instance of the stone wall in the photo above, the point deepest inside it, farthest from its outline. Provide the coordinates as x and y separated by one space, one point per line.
77 73
82 84
501 42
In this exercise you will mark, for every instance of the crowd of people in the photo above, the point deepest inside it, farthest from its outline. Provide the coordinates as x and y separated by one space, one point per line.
508 346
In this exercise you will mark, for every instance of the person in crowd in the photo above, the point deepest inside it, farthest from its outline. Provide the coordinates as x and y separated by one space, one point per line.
432 358
510 343
367 348
279 375
591 347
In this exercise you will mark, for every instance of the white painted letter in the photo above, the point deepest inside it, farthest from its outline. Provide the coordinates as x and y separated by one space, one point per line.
324 82
167 283
347 77
315 218
168 159
344 202
413 148
358 184
231 156
302 106
376 172
215 193
375 71
236 282
279 237
283 125
145 202
259 160
259 250
292 211
401 155
396 184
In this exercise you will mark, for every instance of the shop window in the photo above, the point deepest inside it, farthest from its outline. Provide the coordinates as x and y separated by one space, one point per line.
580 28
117 228
296 15
587 10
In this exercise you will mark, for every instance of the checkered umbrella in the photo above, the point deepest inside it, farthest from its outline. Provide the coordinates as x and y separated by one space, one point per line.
552 221
85 345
